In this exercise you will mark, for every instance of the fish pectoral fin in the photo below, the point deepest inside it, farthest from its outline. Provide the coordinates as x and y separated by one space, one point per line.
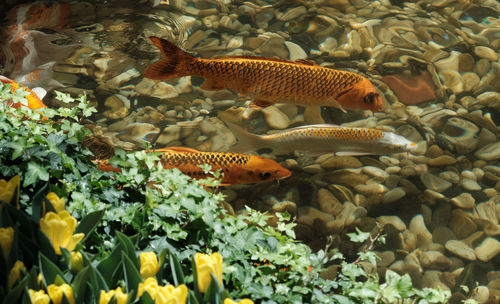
211 85
353 153
260 104
175 149
305 61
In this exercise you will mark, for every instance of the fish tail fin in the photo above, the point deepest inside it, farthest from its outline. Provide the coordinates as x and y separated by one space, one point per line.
174 63
246 141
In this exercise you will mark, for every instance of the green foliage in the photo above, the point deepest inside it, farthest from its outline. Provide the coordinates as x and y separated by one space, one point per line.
148 208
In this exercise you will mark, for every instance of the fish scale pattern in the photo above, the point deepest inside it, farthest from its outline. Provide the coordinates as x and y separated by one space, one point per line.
215 159
274 79
339 133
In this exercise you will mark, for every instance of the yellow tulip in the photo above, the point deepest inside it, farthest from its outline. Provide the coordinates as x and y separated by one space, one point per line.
38 297
15 273
6 238
118 294
206 265
171 295
57 203
7 189
242 301
56 293
39 280
76 261
59 228
149 264
150 285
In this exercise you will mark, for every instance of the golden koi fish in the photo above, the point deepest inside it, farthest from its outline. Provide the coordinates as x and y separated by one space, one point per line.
236 168
269 80
325 138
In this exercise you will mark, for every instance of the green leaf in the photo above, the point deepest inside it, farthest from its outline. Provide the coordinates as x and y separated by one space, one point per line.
128 247
49 270
131 275
80 284
213 293
177 274
15 293
45 246
359 236
109 266
88 223
34 173
37 203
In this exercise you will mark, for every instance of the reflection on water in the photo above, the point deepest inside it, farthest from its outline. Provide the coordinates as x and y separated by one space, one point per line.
436 64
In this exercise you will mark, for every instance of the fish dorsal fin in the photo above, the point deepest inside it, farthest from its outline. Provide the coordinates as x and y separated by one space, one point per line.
315 126
40 92
176 149
299 61
306 62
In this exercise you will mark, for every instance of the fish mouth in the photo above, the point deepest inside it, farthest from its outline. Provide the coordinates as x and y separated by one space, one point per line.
373 100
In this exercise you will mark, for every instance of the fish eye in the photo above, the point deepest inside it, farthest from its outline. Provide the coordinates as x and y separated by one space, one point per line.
370 98
264 175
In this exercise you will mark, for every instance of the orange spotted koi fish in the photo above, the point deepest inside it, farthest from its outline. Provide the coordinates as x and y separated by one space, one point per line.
34 98
236 168
269 80
325 138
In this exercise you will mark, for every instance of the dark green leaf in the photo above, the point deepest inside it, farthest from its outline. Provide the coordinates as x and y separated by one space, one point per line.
80 284
131 275
110 265
213 293
15 293
88 223
177 274
127 247
49 270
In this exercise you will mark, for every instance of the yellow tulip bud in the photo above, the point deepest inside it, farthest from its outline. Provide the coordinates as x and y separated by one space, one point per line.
206 265
38 297
39 279
15 273
242 301
6 238
59 228
76 261
149 264
7 189
56 293
57 203
150 285
118 294
171 295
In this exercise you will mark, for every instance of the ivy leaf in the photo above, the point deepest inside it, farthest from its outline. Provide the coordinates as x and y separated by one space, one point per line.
35 172
359 236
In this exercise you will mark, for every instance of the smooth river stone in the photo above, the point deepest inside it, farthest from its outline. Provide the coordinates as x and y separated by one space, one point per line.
434 182
460 249
393 220
275 118
489 152
486 53
488 249
470 185
443 160
434 260
464 200
393 195
379 174
418 228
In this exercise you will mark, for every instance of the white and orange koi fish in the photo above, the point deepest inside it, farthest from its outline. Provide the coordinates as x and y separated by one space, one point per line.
324 138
